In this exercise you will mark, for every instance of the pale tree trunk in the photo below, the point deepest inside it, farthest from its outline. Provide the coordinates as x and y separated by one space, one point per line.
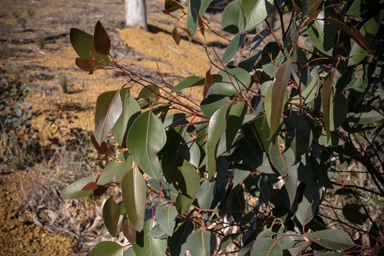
136 14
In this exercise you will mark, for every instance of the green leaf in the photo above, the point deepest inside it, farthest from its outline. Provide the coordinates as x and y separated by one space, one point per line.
332 239
196 8
178 242
108 173
266 247
123 168
234 80
74 190
106 248
272 58
299 135
227 240
311 200
145 139
235 117
239 175
365 117
368 31
254 157
108 110
264 189
82 43
310 6
284 160
131 110
206 194
232 48
258 132
230 17
277 96
147 245
216 128
358 7
201 242
322 33
190 81
212 103
111 215
134 189
310 93
166 217
101 40
355 213
187 182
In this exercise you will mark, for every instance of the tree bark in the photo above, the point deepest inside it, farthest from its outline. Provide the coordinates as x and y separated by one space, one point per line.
136 14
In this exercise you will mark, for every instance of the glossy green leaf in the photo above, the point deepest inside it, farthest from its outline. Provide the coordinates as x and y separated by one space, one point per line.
284 160
257 131
206 194
234 80
355 213
147 245
248 64
332 238
266 247
254 156
277 96
166 217
272 58
227 240
108 110
111 215
188 185
299 135
134 189
107 248
239 175
212 103
368 31
235 117
178 242
109 173
123 168
201 243
192 81
74 190
310 6
82 43
196 8
101 40
310 93
322 33
243 16
365 117
311 200
216 128
145 139
131 110
232 48
359 7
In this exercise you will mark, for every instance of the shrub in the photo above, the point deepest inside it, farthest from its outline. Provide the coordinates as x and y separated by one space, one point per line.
271 158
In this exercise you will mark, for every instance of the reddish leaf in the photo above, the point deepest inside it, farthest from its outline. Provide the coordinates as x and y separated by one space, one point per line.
121 73
208 82
90 186
102 149
101 189
91 53
201 24
176 35
129 231
94 62
101 40
186 31
83 64
165 11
